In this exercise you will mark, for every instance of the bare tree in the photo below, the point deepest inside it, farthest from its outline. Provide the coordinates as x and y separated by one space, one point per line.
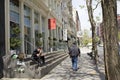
110 39
93 25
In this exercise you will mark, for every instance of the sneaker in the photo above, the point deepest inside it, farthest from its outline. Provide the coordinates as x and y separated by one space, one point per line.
75 69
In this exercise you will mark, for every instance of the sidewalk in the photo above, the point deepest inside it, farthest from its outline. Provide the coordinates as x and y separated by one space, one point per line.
87 70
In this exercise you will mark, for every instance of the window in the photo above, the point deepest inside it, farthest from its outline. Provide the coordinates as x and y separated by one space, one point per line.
27 30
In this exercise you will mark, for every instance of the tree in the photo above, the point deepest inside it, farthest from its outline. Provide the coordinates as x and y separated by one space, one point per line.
110 39
86 39
93 25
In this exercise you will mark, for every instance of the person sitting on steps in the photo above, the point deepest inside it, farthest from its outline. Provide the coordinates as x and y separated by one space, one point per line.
38 56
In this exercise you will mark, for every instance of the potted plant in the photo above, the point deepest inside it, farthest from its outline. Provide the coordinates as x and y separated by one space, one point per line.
50 38
55 39
60 40
38 40
38 43
15 41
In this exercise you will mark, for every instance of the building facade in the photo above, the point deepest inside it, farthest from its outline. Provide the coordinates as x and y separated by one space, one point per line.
24 26
31 17
77 26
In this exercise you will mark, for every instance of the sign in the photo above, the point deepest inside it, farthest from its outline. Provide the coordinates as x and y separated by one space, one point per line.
52 23
79 34
64 34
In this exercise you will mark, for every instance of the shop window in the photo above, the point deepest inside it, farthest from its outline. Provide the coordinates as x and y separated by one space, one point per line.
27 30
14 25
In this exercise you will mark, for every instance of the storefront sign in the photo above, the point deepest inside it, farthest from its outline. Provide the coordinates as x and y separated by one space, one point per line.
64 34
52 23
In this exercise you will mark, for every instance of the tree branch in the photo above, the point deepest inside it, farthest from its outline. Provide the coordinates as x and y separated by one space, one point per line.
97 5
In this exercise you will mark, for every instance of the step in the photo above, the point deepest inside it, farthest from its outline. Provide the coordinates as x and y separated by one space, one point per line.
48 56
46 69
53 58
51 55
38 72
33 71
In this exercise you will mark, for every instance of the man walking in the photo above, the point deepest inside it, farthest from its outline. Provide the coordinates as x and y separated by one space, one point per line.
74 52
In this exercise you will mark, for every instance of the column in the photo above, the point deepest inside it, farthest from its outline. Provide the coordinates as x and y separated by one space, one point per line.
61 33
22 25
7 26
32 31
57 36
40 27
56 8
53 4
49 3
46 33
40 23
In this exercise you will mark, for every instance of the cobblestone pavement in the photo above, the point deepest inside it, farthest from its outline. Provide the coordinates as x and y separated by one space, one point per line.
87 70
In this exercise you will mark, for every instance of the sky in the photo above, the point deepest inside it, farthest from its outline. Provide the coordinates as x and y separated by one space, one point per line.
83 14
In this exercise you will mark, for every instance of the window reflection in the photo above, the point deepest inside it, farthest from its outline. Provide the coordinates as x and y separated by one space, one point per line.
36 23
27 30
14 22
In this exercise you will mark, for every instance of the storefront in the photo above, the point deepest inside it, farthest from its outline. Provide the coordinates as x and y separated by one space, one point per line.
31 18
31 24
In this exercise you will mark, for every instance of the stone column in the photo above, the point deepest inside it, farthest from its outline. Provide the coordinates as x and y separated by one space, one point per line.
22 25
32 31
40 23
5 5
40 27
7 26
46 34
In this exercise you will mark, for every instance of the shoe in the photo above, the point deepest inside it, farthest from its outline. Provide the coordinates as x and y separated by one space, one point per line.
75 69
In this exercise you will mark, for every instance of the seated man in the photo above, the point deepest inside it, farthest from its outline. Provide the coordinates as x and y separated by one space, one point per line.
37 56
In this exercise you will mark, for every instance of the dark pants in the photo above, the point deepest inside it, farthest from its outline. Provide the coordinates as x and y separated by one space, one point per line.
74 62
40 59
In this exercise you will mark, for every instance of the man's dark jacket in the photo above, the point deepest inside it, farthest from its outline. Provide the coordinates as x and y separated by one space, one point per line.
35 52
74 51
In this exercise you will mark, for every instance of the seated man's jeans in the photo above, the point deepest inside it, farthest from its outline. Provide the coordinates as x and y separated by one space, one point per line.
74 62
40 59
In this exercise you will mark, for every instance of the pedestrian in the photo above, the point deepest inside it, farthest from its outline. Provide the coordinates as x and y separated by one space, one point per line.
74 52
38 56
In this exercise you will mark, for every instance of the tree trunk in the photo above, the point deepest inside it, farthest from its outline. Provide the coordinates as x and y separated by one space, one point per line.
93 25
110 39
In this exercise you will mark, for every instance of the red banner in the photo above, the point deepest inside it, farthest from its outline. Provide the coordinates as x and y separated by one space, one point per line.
52 23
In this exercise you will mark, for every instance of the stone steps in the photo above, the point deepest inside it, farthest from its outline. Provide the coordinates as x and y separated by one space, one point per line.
54 58
46 69
35 71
